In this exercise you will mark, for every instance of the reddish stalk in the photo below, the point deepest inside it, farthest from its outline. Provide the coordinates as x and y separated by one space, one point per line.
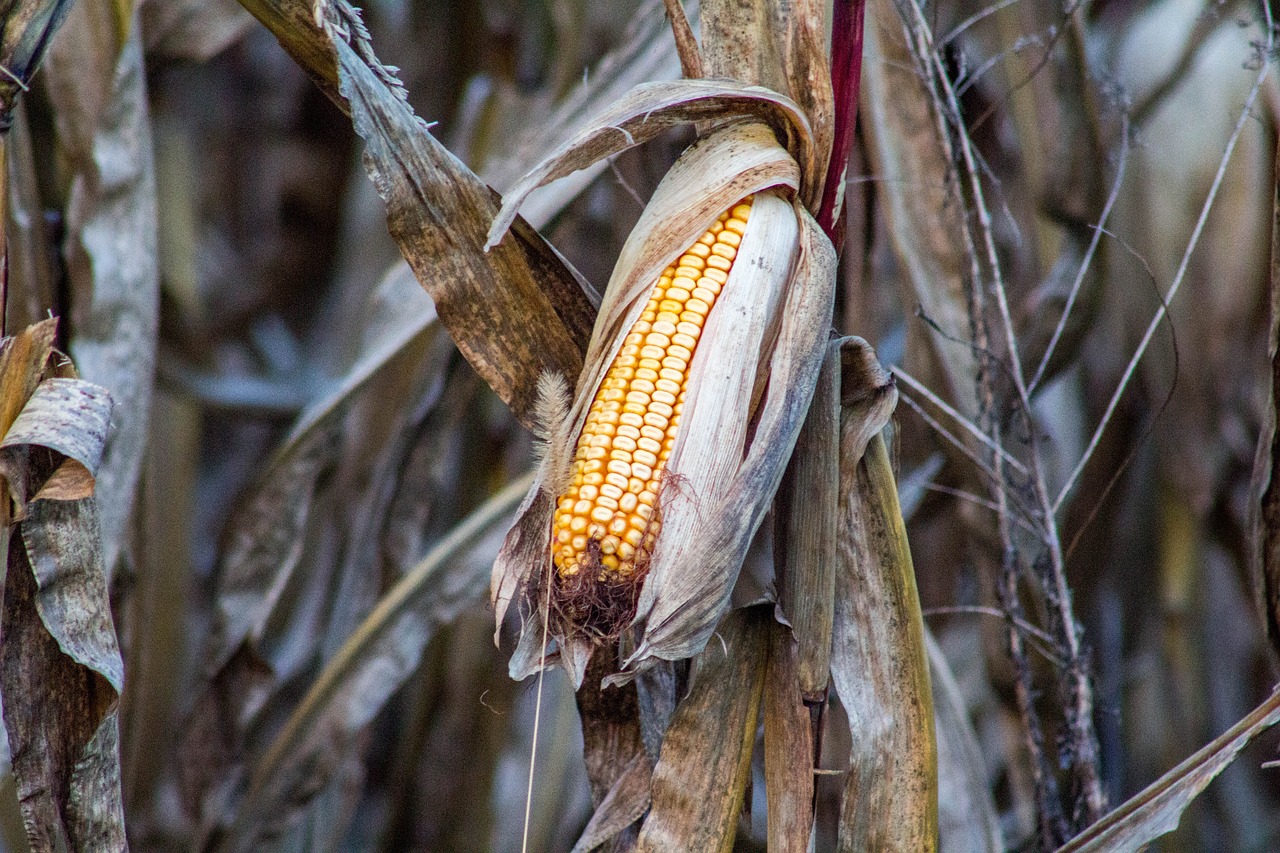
846 73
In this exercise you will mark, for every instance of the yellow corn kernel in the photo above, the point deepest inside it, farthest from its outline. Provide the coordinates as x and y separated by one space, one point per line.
605 523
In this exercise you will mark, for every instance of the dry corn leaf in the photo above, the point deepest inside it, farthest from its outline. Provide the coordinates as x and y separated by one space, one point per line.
1265 488
1157 809
967 818
268 621
265 542
626 802
788 746
878 661
378 657
701 776
912 160
69 417
102 131
515 312
806 510
26 30
644 54
60 667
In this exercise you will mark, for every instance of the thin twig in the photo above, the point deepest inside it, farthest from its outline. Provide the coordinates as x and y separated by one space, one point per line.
1082 740
979 610
950 436
1087 260
1181 274
973 19
969 426
978 500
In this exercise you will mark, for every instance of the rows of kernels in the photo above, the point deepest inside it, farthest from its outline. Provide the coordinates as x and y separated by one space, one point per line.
631 426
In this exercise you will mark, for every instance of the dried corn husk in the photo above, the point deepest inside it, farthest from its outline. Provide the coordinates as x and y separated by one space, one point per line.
750 383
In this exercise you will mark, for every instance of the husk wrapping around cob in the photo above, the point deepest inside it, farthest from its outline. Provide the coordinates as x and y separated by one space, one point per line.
746 389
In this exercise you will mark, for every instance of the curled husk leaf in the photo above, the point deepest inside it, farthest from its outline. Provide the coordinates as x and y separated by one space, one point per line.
749 387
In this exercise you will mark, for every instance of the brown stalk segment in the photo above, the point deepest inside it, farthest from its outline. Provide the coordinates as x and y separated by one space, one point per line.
607 522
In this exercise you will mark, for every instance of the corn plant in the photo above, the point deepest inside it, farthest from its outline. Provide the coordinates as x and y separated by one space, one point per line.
294 375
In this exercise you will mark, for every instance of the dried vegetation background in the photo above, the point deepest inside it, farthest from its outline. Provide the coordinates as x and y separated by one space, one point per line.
1058 239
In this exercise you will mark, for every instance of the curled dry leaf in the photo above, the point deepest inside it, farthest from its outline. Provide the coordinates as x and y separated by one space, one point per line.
755 364
878 662
648 110
60 667
70 417
1157 809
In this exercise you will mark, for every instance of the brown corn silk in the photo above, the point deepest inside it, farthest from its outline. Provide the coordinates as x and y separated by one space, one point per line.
607 521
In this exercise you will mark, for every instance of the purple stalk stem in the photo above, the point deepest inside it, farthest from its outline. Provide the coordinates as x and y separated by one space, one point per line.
846 73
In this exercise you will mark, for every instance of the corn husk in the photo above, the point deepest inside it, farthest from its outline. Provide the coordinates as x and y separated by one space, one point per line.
750 383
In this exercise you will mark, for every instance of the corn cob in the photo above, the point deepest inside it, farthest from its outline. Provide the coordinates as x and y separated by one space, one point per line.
607 522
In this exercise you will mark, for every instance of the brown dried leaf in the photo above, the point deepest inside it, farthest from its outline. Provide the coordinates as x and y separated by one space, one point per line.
70 417
923 211
879 665
60 667
26 29
266 534
806 510
701 776
788 746
626 802
1265 491
61 674
371 665
500 307
1156 810
103 132
23 358
516 312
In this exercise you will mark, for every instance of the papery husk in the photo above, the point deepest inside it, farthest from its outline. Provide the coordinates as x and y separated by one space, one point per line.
763 332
